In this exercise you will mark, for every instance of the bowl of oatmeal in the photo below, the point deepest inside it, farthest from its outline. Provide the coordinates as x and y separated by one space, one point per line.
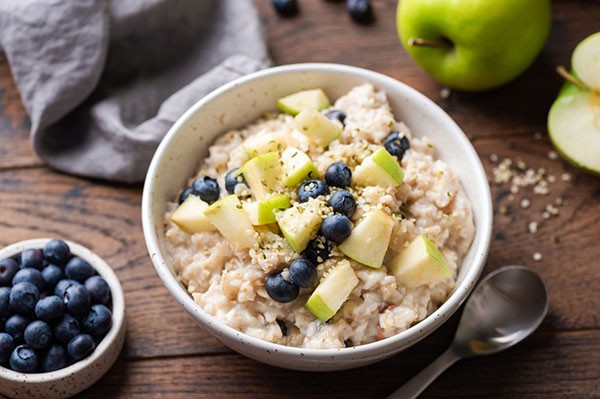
317 216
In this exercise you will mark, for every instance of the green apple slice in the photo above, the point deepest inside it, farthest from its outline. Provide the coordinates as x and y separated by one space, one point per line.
316 127
263 212
332 291
369 239
574 127
189 216
262 174
294 103
419 263
262 143
300 223
586 62
229 217
297 167
379 169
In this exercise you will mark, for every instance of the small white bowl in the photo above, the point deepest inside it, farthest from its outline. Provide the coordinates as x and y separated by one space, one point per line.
244 100
81 375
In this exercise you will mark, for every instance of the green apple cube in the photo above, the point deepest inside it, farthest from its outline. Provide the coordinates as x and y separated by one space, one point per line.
297 167
332 291
369 239
419 263
317 127
263 174
379 169
263 212
586 62
189 216
300 223
294 103
229 217
263 143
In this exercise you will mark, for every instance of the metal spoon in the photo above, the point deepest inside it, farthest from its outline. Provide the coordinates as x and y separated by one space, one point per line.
505 308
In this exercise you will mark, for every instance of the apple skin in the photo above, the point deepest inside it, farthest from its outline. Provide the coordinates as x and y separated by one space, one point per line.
490 42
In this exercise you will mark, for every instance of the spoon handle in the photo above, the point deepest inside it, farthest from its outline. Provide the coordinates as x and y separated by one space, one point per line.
419 382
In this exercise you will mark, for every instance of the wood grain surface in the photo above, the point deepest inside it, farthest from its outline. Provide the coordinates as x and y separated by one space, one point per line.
168 356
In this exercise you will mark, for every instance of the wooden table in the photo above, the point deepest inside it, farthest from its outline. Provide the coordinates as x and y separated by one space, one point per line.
167 355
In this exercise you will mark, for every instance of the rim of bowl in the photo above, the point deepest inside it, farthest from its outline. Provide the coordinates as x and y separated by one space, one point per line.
416 332
118 312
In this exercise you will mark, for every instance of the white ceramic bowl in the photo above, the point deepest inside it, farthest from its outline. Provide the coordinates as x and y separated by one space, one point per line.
244 100
79 376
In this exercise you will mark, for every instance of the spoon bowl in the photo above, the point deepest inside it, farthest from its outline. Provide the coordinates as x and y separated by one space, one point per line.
506 307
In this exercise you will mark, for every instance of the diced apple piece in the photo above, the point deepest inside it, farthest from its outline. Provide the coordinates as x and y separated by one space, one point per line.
294 103
263 174
297 167
332 291
229 217
316 127
189 216
263 143
263 212
379 169
419 263
300 223
369 239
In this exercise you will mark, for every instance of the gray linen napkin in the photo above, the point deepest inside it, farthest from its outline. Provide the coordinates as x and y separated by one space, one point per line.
103 80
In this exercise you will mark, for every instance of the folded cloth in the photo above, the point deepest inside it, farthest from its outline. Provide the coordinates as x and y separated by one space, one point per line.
103 80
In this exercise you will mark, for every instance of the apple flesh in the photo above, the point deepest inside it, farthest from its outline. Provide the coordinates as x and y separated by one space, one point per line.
333 290
229 217
369 240
259 144
189 216
586 62
419 263
263 212
474 44
294 103
300 223
379 169
317 127
297 167
263 174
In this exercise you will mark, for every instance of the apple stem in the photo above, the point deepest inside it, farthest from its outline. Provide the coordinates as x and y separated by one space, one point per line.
420 42
566 75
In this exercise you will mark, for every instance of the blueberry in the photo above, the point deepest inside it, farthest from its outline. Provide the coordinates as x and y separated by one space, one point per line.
334 114
98 289
206 188
7 344
49 308
57 252
232 179
80 346
55 358
30 275
79 269
52 274
317 250
303 272
338 174
15 326
336 228
281 290
343 202
66 328
77 300
62 286
360 10
8 269
285 8
5 302
98 321
32 257
23 298
184 194
38 334
312 189
23 359
396 144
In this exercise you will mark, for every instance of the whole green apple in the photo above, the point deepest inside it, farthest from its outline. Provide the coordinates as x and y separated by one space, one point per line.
474 44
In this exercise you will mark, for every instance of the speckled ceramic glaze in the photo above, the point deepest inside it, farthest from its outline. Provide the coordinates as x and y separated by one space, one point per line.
244 100
79 376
